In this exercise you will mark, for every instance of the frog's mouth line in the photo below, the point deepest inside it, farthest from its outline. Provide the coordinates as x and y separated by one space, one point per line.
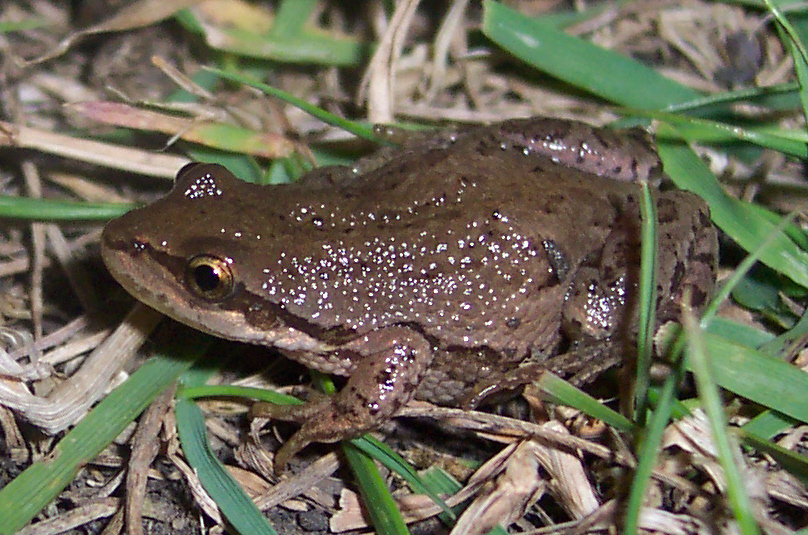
132 261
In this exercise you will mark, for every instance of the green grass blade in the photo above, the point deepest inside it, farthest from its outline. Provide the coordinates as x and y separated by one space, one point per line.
760 378
789 36
376 496
740 332
52 210
290 17
19 26
563 392
767 425
367 444
714 409
795 463
580 63
384 515
41 482
309 45
362 130
778 96
791 142
234 504
648 269
382 453
647 452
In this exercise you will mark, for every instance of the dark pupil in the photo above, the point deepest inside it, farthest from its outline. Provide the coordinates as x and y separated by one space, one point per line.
207 278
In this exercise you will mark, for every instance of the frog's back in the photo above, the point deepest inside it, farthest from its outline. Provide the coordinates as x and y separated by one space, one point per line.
472 245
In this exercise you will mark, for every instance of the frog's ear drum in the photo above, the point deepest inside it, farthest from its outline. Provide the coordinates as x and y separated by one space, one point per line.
209 277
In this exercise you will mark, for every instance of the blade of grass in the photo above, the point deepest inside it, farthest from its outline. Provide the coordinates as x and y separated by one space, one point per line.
791 142
41 482
580 63
648 269
563 392
22 25
308 45
713 407
795 463
778 96
52 210
768 424
648 445
382 453
234 503
362 130
740 332
376 496
755 376
384 514
368 444
290 17
796 49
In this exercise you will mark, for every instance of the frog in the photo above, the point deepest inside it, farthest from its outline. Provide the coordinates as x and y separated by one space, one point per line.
449 269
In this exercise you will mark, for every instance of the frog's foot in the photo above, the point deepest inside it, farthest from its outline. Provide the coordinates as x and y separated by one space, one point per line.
390 363
322 419
584 364
503 384
580 366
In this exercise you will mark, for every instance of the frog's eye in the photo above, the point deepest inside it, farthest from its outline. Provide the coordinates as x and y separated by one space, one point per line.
209 277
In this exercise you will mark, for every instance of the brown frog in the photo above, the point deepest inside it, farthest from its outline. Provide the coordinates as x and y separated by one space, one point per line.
444 270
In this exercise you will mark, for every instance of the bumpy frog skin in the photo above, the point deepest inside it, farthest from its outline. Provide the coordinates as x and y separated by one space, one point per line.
445 270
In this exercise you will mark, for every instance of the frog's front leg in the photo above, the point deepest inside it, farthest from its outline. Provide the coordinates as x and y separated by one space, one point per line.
390 363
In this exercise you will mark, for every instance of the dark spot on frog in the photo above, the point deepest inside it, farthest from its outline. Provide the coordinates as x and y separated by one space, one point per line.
608 272
385 377
697 297
704 219
558 260
603 140
678 274
666 211
705 258
513 323
549 203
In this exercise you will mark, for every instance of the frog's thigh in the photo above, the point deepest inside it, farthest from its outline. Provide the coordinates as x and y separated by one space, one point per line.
687 264
390 364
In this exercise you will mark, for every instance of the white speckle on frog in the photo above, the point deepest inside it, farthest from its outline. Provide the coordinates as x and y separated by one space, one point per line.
203 186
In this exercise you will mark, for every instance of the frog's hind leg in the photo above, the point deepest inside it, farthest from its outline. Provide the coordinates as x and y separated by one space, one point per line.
580 366
389 365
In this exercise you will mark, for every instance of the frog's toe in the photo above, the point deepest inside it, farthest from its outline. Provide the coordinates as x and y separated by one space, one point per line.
300 413
289 449
502 386
328 428
321 421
